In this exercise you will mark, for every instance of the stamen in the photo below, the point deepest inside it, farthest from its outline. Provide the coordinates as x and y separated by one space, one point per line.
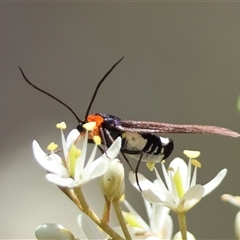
52 146
196 163
170 169
74 151
97 140
61 125
89 126
150 165
191 154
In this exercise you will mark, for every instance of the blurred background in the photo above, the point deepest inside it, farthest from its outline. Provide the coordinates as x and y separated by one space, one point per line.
181 65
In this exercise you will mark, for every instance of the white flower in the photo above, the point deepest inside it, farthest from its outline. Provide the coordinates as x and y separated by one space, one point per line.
235 201
160 223
180 193
72 171
53 231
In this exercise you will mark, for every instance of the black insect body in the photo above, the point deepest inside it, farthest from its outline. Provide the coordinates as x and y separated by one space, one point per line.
147 145
139 138
153 148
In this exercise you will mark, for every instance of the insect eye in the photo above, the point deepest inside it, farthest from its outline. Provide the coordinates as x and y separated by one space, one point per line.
80 127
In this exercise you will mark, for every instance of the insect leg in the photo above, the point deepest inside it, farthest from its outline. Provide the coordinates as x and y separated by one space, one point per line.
136 169
56 151
126 159
104 131
101 149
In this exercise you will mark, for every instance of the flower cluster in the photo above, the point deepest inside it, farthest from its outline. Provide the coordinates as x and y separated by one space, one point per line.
71 171
181 192
177 191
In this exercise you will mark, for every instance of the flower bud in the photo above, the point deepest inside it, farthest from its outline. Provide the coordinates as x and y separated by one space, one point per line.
53 231
112 182
178 236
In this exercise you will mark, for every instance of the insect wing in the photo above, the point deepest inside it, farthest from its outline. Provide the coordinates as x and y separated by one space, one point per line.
158 127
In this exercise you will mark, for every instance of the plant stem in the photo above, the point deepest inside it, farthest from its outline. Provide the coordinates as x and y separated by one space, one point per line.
106 212
83 206
182 224
121 219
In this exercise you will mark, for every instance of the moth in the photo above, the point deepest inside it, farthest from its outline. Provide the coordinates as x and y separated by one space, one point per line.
140 139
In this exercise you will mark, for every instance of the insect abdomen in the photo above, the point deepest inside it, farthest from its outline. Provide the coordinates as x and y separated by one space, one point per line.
154 148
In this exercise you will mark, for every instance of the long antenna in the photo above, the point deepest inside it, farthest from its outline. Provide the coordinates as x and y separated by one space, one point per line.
50 95
99 84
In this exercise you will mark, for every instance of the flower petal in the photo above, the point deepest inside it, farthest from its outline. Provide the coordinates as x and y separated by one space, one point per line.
64 145
173 187
154 196
167 229
135 232
210 186
194 177
112 182
144 183
81 161
237 225
153 238
53 231
159 182
97 168
166 176
178 163
188 177
89 228
114 149
52 163
191 198
148 207
62 182
140 220
234 200
91 158
158 218
72 137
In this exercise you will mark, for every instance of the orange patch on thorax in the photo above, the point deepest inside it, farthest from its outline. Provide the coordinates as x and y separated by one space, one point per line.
98 120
